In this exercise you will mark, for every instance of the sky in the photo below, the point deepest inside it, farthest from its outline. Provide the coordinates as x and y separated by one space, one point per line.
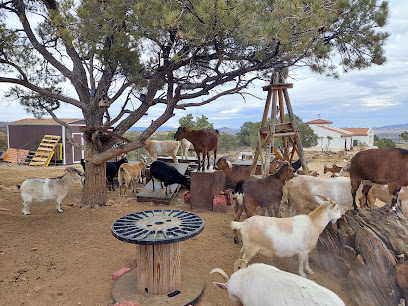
373 97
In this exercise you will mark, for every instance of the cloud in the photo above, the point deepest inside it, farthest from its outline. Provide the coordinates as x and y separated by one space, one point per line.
378 102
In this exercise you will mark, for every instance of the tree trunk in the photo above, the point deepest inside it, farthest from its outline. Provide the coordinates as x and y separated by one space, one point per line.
364 247
94 192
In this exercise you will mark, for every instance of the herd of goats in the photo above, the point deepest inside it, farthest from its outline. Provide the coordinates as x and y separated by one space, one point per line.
312 203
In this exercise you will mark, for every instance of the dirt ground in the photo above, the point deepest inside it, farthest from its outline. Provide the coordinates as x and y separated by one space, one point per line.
51 258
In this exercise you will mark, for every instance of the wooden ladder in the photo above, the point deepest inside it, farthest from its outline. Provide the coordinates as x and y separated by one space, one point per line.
45 151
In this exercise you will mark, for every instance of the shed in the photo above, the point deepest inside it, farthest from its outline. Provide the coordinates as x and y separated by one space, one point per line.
27 134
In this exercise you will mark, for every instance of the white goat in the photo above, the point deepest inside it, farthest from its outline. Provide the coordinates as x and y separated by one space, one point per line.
300 193
286 237
185 146
261 284
42 189
162 148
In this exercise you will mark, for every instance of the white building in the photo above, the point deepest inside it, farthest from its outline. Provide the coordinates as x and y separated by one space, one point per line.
336 139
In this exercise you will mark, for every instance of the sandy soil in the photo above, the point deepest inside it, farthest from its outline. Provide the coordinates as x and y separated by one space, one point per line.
51 258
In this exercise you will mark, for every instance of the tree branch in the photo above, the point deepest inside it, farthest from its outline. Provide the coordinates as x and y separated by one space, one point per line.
43 91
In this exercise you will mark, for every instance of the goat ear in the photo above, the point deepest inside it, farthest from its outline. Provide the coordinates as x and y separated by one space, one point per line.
220 285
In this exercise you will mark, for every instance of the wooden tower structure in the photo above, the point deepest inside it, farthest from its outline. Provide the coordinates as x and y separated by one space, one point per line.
287 131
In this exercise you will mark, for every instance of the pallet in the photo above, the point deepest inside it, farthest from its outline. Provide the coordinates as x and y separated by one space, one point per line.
15 155
45 151
159 196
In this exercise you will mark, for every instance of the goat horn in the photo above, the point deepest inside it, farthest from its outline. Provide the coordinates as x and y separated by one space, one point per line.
324 197
224 275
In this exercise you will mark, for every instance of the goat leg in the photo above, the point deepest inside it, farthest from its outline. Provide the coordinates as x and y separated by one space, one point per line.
199 162
59 201
394 199
354 201
238 212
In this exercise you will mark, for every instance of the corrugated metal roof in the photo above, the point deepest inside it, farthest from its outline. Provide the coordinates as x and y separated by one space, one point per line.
319 121
42 121
357 131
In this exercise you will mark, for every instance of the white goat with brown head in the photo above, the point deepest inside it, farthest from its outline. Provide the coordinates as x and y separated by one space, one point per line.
286 237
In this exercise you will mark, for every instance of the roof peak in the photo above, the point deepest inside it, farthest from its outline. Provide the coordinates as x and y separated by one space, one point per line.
319 121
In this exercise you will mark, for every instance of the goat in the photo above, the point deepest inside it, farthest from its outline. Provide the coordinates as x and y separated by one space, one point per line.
162 148
238 173
203 142
299 193
261 284
381 192
296 165
334 169
379 166
312 173
42 189
112 171
345 171
286 237
83 164
185 146
128 174
167 174
143 167
265 192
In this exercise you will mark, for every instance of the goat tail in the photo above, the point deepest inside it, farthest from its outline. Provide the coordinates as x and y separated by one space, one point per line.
236 225
223 274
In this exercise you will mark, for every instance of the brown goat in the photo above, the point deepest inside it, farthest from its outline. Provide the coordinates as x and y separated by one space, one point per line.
379 166
203 142
265 192
334 169
239 173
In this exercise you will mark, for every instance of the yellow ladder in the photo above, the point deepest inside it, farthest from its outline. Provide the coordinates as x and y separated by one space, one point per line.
45 151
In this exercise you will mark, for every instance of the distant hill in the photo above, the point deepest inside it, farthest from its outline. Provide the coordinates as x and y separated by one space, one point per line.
3 125
402 127
162 128
391 131
228 130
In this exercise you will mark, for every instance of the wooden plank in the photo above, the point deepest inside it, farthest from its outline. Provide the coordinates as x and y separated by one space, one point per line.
15 155
45 150
169 159
144 268
159 196
277 86
159 270
174 267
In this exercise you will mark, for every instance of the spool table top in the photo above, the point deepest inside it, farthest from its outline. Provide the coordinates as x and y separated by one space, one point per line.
159 226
